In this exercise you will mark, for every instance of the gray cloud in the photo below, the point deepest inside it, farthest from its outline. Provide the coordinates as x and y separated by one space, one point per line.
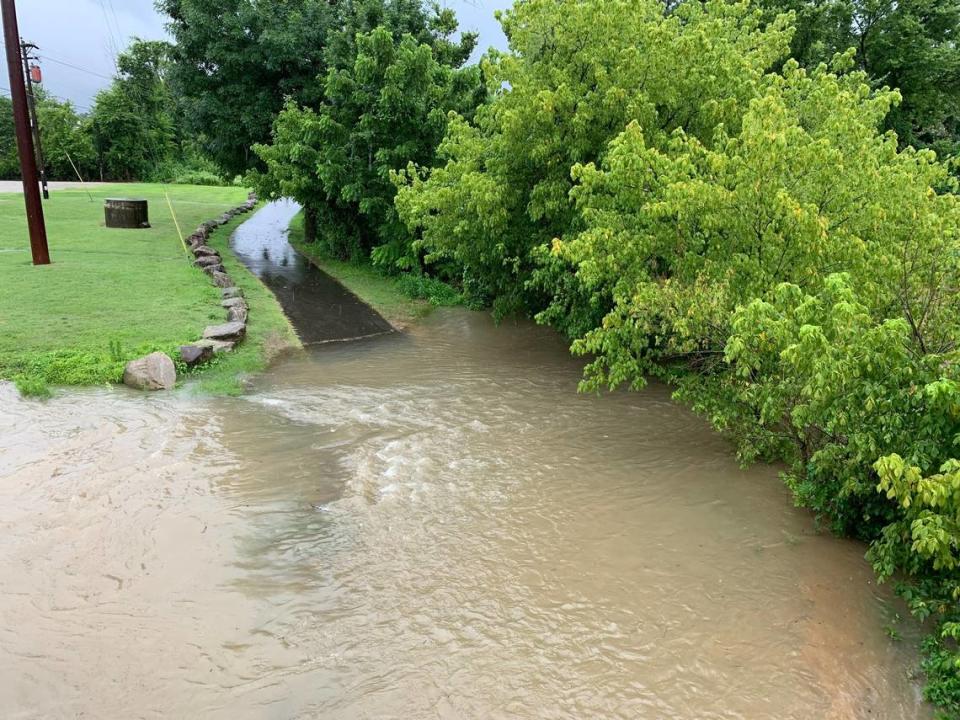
88 34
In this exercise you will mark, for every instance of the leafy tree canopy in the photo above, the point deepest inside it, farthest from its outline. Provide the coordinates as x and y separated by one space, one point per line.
133 121
386 97
910 45
234 62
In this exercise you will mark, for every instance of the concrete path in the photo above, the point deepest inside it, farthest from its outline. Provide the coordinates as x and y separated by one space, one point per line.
15 186
320 308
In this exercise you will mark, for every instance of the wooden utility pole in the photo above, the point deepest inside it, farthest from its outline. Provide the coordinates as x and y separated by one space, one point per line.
34 118
21 121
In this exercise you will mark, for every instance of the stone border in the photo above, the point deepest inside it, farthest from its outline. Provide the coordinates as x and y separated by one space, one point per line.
157 371
218 338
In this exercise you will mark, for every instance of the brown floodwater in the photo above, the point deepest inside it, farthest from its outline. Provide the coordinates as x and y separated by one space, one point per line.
423 525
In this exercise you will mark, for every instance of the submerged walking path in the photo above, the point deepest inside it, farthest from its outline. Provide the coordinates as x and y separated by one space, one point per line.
320 308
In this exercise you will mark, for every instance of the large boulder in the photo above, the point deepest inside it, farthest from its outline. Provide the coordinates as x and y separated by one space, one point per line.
228 331
156 371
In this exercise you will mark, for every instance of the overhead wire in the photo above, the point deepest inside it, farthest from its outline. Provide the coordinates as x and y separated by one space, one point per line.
47 58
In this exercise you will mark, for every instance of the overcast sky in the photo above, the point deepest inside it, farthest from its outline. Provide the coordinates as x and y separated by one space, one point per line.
88 34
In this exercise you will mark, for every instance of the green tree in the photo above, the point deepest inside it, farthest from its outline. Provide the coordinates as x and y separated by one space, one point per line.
576 75
234 62
66 137
910 45
386 99
132 122
9 165
64 132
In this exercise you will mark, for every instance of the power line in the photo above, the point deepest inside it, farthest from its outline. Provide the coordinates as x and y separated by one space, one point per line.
46 57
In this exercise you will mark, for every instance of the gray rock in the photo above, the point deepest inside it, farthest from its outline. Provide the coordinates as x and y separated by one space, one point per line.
237 314
216 346
212 270
204 261
234 302
231 292
204 250
227 331
153 372
221 279
193 355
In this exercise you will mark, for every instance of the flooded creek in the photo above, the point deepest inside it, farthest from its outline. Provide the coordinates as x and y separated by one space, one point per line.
431 524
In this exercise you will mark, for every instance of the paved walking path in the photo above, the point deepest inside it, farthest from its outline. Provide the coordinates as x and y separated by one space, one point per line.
15 186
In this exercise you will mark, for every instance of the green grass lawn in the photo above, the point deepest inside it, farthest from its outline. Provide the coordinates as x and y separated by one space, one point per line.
112 295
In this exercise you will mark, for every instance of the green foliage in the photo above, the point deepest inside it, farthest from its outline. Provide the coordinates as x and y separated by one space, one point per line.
32 387
65 135
436 292
923 543
197 177
386 96
132 122
905 44
234 62
577 75
9 165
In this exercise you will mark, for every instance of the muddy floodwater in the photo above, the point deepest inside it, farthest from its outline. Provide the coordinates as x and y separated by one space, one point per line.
431 524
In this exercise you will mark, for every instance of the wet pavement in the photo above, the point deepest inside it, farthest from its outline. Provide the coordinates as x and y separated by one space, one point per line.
320 308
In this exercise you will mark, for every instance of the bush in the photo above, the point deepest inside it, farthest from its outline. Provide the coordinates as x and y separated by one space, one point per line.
421 287
198 177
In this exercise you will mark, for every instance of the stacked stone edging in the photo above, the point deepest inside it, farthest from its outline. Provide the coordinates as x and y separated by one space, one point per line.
216 338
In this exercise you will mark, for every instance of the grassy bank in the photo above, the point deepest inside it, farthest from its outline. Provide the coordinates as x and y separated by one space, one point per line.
401 300
112 295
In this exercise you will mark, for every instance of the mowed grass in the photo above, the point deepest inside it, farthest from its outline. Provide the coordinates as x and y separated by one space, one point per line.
111 295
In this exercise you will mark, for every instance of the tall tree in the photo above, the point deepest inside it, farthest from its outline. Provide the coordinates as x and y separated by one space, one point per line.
66 136
909 45
67 139
133 121
234 63
578 73
9 165
386 98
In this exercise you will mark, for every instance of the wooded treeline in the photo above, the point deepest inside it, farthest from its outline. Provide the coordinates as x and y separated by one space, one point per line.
135 129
